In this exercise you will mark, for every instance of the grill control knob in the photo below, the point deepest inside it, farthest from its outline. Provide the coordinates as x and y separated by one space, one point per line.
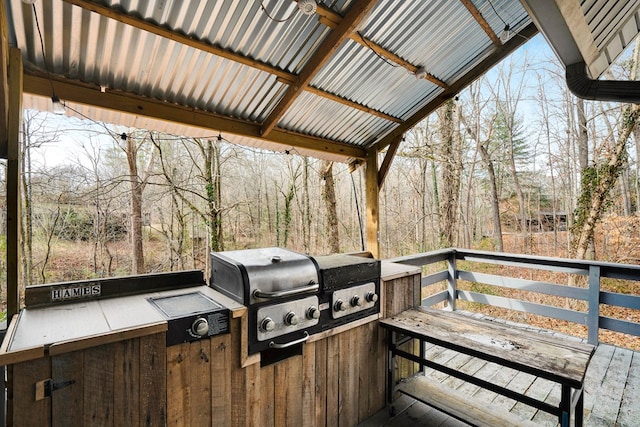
313 313
291 318
371 296
267 324
339 305
356 301
200 327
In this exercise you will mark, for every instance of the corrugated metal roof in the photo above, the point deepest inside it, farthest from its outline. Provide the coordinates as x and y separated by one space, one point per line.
116 49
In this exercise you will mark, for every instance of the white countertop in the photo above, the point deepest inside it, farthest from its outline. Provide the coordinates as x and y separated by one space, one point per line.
43 328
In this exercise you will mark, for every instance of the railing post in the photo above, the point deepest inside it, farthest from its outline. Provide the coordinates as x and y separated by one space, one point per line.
593 316
452 281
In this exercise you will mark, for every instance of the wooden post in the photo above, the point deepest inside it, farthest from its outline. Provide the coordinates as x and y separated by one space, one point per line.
13 182
593 318
4 83
373 203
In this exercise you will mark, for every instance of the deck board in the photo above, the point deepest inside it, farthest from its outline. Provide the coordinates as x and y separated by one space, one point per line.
612 391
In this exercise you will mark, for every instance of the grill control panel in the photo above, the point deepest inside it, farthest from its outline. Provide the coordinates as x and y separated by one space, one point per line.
280 319
351 300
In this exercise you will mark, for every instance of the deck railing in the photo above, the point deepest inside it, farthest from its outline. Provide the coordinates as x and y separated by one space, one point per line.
592 271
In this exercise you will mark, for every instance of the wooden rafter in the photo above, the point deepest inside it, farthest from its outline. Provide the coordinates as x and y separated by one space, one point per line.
352 104
165 32
499 53
73 91
388 158
331 43
282 75
480 20
332 20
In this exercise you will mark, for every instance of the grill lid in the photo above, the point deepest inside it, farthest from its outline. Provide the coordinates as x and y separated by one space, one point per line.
251 276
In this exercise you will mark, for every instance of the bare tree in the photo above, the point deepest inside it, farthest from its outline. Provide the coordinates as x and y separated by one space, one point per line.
131 144
329 198
450 155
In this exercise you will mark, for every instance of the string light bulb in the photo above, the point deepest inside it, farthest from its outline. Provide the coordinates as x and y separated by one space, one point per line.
56 105
307 7
506 33
29 1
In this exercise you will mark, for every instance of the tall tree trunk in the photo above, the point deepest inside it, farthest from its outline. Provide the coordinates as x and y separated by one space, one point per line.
137 254
329 199
451 169
26 229
491 176
306 208
597 182
214 195
495 201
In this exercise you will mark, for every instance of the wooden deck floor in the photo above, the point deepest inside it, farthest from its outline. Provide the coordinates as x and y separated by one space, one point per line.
612 390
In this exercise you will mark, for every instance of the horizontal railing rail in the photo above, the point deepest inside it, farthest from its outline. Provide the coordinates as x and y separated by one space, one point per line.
593 295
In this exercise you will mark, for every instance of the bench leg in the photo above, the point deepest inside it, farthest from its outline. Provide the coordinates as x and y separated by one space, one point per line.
580 410
565 406
390 368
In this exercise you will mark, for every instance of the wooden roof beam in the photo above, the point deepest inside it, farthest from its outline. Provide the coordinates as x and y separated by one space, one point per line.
331 19
282 75
165 32
87 94
483 22
357 12
496 56
388 158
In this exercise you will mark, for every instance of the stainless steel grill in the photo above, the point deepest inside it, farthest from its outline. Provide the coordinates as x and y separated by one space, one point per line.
291 296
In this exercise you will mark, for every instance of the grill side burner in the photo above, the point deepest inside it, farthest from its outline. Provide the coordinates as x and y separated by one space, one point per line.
350 288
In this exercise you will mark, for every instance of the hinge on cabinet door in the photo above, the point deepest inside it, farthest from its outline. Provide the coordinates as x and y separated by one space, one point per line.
44 388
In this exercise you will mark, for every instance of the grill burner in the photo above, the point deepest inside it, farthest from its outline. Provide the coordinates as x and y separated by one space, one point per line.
191 317
291 296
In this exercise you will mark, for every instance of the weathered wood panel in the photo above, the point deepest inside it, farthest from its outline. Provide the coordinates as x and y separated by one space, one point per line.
238 378
200 383
27 411
98 370
309 385
399 295
178 413
221 380
153 381
67 402
348 379
126 376
321 382
333 385
288 392
267 395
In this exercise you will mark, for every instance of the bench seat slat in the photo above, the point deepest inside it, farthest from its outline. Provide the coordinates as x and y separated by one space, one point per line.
545 356
465 408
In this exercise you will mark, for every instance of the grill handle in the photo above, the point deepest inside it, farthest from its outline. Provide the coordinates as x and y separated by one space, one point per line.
313 287
290 343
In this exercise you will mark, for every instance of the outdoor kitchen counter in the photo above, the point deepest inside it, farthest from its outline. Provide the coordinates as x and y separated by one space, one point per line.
58 329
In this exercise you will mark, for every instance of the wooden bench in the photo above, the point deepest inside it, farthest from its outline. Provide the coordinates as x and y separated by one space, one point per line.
562 361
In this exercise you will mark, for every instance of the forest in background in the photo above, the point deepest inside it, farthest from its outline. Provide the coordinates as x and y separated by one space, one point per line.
513 163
